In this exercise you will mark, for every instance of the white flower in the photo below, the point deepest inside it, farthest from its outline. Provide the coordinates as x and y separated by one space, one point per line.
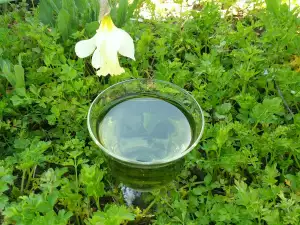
106 44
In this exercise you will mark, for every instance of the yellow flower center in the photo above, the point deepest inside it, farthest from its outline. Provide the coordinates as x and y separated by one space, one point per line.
107 23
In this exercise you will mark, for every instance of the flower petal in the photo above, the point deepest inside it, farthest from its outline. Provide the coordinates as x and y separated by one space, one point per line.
97 61
126 43
108 44
104 71
118 71
85 48
108 47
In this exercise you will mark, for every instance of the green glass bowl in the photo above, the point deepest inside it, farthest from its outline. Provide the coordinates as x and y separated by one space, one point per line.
145 176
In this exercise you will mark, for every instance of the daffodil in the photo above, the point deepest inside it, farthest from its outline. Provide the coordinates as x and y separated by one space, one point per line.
105 46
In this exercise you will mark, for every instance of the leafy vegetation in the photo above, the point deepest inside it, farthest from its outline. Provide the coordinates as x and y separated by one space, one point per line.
242 68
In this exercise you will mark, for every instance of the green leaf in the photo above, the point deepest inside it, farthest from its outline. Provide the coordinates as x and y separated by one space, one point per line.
5 1
75 154
270 175
19 76
68 73
132 7
266 112
52 198
65 216
224 108
95 10
293 181
81 4
113 215
121 12
273 6
91 28
207 179
272 217
70 7
90 177
6 72
297 120
3 186
222 136
199 190
33 155
16 100
48 10
21 143
64 23
3 201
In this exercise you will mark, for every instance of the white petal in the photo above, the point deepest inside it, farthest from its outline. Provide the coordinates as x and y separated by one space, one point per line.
111 63
85 48
97 61
118 71
126 47
100 37
104 71
106 55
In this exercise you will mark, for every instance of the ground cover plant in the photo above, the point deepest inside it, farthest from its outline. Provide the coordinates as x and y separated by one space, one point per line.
243 68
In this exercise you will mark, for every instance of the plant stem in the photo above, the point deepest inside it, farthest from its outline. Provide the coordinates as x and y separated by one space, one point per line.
166 202
89 206
192 184
30 173
34 170
296 160
114 196
97 202
253 128
148 208
76 175
22 182
283 99
244 87
77 220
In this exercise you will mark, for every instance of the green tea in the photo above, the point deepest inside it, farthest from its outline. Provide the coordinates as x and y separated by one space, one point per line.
145 129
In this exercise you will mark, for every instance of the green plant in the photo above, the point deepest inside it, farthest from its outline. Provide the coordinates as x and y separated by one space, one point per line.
112 215
70 16
6 179
243 71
